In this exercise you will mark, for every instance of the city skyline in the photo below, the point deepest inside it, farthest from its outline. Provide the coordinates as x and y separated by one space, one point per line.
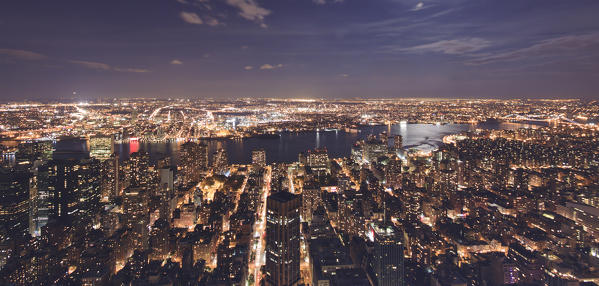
277 192
298 49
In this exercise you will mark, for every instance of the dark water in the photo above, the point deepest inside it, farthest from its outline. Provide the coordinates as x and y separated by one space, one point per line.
338 143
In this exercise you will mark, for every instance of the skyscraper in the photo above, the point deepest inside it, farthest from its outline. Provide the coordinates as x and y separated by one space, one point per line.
393 172
387 261
259 158
14 201
101 147
221 161
311 199
283 239
166 192
109 171
138 171
76 192
318 159
373 149
40 189
202 156
194 160
137 218
397 142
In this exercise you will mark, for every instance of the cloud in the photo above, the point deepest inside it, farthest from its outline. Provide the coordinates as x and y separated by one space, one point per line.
559 46
27 55
211 21
134 70
176 62
270 67
247 9
247 68
106 67
22 54
322 2
344 75
191 18
201 4
450 47
250 10
91 65
419 6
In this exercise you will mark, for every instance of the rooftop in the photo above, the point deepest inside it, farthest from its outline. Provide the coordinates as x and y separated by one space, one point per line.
283 196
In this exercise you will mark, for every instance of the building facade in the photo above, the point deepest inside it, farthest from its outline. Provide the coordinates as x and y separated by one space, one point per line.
283 239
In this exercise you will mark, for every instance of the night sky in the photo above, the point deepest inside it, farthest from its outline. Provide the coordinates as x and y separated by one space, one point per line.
299 48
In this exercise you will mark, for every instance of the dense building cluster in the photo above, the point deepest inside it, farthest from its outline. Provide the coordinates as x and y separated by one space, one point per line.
488 207
158 120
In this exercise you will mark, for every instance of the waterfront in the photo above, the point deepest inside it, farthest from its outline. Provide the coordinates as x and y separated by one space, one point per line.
338 143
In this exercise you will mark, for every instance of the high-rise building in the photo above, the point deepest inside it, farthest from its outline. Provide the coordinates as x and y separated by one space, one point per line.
110 169
40 190
387 261
397 142
384 137
166 193
221 161
393 172
318 159
283 239
101 147
279 178
29 152
259 158
194 160
311 199
357 153
301 158
351 213
158 240
202 156
71 148
14 201
76 193
136 214
138 171
373 149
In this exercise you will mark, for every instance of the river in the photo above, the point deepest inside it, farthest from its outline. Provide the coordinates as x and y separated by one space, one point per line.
338 143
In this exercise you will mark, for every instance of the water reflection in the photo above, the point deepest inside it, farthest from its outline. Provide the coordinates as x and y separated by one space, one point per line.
338 143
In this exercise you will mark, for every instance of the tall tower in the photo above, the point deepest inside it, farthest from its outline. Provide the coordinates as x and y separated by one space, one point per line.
283 239
387 261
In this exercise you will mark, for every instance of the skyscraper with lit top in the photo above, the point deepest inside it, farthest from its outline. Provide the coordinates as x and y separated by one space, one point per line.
283 239
387 261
